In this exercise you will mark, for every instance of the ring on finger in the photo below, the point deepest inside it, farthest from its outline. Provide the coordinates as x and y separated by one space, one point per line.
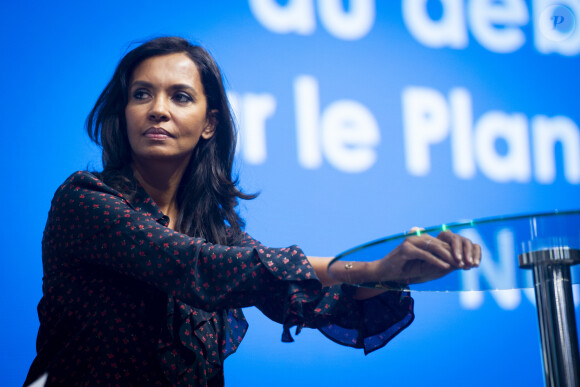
428 243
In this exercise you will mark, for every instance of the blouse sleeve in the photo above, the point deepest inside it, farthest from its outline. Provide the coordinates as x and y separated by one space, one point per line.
91 223
369 324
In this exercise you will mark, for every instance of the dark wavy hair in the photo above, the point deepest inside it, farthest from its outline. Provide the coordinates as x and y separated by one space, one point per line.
208 193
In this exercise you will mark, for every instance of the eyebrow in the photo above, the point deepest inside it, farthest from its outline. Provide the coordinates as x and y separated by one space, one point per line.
176 86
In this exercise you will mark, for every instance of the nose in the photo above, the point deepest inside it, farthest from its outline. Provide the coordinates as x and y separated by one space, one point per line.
159 111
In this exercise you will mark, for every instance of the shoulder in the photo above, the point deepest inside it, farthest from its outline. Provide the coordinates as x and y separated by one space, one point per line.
82 183
246 240
80 177
84 196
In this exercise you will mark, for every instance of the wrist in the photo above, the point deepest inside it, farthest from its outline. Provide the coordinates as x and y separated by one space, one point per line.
353 273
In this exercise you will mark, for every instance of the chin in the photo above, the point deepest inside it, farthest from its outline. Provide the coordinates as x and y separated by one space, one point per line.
160 157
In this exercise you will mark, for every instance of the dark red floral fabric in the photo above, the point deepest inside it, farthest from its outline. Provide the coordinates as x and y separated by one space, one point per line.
128 301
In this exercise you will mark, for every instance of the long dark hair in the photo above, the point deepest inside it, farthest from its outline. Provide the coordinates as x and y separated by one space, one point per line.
208 194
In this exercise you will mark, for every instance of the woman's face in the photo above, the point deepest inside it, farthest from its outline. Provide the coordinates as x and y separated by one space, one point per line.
167 110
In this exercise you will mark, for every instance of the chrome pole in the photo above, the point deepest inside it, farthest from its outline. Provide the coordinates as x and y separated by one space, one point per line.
556 317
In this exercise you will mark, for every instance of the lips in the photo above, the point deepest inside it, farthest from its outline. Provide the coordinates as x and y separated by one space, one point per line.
157 133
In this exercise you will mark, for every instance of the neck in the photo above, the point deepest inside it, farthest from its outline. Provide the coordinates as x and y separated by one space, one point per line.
161 181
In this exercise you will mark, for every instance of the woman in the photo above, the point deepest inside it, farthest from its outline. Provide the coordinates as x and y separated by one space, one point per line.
146 264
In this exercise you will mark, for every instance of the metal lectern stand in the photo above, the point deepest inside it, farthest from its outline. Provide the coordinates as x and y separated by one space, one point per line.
546 243
555 305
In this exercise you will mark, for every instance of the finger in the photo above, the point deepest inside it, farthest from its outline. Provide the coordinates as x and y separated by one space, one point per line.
429 249
468 251
477 253
472 253
444 251
440 249
456 243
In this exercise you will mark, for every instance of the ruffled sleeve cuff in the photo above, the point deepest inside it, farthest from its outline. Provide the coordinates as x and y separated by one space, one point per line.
296 291
296 299
369 324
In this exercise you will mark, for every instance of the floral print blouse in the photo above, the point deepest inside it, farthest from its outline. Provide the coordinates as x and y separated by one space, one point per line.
128 301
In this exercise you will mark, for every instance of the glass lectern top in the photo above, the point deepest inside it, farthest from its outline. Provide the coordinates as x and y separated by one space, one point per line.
510 247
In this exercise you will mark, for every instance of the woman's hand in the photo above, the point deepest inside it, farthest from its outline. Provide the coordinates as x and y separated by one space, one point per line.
421 258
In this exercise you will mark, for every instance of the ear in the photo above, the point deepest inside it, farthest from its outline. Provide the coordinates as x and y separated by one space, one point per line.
211 125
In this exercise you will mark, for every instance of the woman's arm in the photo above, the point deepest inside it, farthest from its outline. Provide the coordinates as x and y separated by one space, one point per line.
320 266
92 225
419 258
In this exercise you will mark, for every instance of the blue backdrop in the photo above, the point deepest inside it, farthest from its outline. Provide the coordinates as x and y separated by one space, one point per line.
359 119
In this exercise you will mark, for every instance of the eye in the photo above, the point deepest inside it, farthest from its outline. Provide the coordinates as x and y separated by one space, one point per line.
181 97
140 94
